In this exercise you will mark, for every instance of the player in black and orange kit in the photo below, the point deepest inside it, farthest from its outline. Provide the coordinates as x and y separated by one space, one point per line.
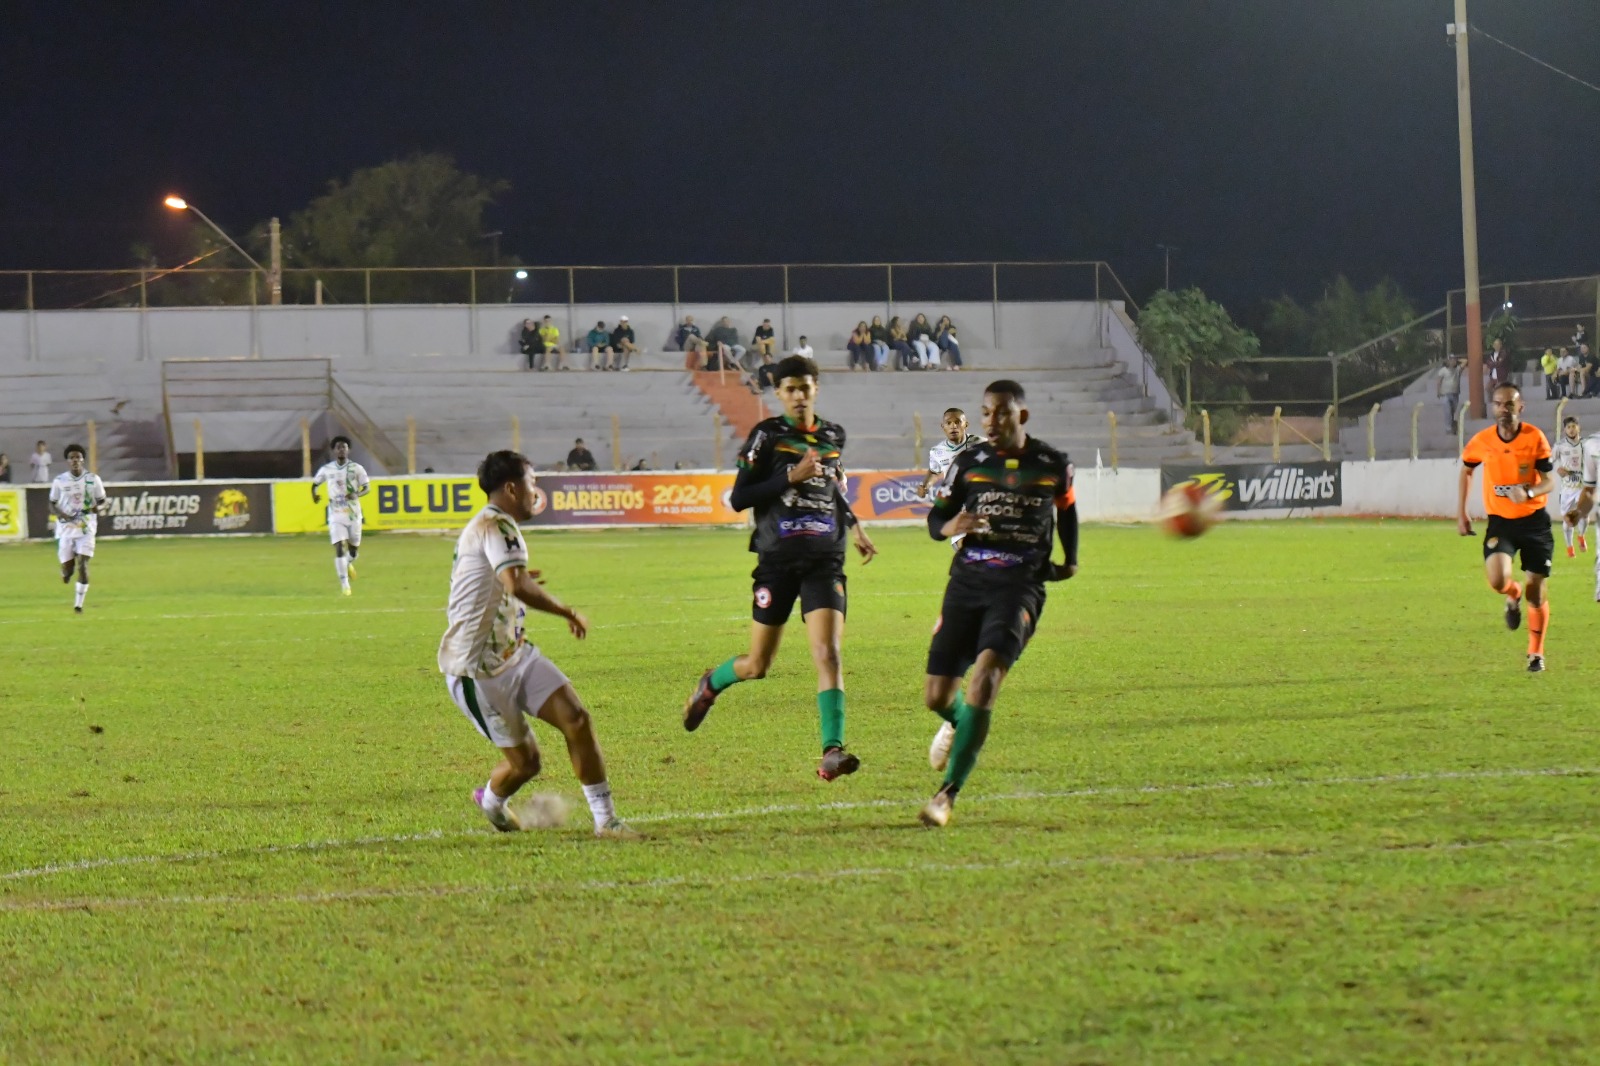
791 474
1517 477
1010 496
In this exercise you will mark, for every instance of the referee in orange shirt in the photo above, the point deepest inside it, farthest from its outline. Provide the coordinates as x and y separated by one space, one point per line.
1517 476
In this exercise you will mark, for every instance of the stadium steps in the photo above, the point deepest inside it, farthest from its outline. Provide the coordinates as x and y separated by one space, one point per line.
739 407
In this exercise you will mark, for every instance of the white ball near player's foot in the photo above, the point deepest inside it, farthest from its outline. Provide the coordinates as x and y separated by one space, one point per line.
539 810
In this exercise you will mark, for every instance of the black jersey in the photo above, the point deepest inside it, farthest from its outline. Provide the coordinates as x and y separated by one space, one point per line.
1019 494
793 521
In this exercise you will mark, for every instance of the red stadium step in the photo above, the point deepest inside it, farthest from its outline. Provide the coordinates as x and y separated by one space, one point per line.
738 406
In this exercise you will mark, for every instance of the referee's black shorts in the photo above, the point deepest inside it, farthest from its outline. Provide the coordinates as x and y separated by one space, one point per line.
983 617
1531 535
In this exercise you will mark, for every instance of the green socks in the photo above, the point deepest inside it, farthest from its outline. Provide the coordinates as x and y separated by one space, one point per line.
723 676
972 729
830 710
952 713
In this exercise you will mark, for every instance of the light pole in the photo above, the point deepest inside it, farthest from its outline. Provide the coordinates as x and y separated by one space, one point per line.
274 276
1166 251
1469 215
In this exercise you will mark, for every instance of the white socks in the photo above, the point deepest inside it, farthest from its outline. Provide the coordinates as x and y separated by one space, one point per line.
81 589
491 803
599 797
341 566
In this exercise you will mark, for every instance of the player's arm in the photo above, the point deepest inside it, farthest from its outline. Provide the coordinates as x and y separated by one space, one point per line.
947 518
1591 473
1067 530
524 585
363 483
1463 523
315 481
1543 487
99 497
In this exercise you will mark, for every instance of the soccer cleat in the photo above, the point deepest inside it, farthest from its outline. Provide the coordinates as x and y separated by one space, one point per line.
1536 664
939 750
1570 552
344 590
1513 613
66 578
501 819
699 705
616 829
836 762
351 569
936 813
78 608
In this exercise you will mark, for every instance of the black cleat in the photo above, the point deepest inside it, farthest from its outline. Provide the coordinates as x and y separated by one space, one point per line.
77 610
836 762
1536 664
699 705
1514 613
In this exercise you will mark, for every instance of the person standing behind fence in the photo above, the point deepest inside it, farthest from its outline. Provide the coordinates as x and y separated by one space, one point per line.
1497 364
39 461
1447 386
1551 366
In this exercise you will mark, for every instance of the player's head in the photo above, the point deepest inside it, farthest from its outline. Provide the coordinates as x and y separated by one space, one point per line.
507 479
954 425
340 446
1005 410
1506 403
39 447
77 459
1570 429
796 376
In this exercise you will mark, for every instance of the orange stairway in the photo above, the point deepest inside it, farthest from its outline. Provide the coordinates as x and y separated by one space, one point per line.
738 407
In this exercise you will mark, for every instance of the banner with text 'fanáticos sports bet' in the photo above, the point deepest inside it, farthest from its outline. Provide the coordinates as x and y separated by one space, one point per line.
595 499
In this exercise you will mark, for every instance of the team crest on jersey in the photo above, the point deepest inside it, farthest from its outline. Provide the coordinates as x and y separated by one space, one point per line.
1492 542
1012 479
763 597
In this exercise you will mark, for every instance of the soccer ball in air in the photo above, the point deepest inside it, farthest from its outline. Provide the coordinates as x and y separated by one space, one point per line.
1188 510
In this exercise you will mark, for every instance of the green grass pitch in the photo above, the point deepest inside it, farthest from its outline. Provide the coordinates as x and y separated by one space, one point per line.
1282 794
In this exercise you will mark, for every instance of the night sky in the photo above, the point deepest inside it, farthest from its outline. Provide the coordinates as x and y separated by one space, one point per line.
1275 142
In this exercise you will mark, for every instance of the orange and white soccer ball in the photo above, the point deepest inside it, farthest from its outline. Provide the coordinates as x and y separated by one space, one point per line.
1188 510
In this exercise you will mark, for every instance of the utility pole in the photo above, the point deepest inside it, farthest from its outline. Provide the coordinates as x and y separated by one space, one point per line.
275 261
1469 216
1166 253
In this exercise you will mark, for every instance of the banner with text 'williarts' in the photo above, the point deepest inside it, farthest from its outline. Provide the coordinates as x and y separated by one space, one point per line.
1262 486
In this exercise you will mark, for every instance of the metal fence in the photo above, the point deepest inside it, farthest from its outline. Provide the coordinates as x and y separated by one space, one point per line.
1545 313
774 283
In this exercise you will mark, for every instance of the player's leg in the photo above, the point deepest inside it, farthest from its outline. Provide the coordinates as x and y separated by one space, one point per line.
823 606
1498 549
352 543
66 556
85 552
772 602
339 533
1537 547
564 710
505 727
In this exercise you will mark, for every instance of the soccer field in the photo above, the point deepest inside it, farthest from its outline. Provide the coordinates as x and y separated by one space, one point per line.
1284 793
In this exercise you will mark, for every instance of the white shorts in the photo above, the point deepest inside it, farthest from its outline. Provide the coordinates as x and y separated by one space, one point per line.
499 707
343 527
73 542
1567 500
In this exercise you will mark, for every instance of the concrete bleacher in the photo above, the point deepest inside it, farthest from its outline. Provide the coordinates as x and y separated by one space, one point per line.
457 373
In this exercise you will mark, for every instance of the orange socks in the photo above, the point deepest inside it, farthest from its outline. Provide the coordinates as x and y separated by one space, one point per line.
1511 589
1538 622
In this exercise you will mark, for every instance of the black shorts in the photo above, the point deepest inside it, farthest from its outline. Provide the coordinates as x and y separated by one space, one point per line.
973 619
1530 535
818 583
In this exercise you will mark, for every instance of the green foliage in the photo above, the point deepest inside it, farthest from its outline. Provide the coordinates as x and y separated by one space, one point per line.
1261 820
1342 321
1186 329
1502 326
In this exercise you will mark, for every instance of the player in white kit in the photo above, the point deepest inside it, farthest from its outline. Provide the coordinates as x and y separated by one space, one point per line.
494 675
75 499
347 483
1584 504
1568 458
942 456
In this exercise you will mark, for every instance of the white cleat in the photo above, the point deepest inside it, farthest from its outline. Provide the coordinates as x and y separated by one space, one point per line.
936 814
939 750
617 829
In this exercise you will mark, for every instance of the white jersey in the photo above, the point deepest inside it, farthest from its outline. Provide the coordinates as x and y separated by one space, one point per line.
942 456
1591 458
346 482
76 497
1567 455
484 636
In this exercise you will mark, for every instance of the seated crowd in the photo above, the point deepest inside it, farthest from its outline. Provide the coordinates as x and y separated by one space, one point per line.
607 350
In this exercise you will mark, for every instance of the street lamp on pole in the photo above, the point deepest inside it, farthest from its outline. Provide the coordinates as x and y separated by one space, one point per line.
274 276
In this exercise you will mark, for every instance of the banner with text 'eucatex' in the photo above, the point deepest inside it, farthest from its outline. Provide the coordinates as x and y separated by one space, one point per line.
169 507
1262 486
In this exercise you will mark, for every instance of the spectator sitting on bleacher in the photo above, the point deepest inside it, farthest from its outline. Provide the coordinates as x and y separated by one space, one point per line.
921 337
944 335
529 341
880 341
1580 336
726 340
763 376
764 339
622 345
550 343
689 341
598 341
860 347
905 355
1589 363
580 458
1566 375
804 348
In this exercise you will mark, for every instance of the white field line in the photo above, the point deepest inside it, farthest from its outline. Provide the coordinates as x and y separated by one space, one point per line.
359 895
82 865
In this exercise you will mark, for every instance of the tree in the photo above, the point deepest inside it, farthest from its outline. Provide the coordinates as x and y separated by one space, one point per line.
1195 344
421 211
1347 321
